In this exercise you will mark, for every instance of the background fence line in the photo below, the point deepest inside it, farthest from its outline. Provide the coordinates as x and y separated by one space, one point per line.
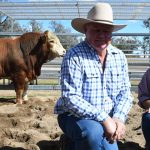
138 63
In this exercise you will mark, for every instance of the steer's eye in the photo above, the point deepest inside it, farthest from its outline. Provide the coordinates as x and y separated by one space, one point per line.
51 41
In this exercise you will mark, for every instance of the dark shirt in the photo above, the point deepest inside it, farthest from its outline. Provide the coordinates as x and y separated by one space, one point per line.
144 87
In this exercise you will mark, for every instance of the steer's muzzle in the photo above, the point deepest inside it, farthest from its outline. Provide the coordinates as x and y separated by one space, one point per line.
64 52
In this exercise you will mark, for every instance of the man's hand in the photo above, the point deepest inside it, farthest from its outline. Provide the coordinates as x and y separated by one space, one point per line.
120 130
110 129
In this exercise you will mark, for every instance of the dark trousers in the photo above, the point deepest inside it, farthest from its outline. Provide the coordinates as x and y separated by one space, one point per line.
146 128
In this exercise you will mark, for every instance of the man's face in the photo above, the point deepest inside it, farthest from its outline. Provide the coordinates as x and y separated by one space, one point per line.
98 35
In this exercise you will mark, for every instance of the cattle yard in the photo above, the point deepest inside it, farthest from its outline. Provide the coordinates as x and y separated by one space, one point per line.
50 71
33 125
50 75
46 10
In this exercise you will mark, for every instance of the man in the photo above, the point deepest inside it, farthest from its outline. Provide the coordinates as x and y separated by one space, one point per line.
96 94
144 102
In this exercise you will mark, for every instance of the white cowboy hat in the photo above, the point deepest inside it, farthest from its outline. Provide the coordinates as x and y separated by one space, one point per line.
101 13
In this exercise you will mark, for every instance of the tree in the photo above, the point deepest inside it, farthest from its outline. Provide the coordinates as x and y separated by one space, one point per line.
35 26
66 40
147 23
6 24
127 44
146 39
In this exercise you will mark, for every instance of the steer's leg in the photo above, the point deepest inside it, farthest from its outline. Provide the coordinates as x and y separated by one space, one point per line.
19 83
19 93
25 94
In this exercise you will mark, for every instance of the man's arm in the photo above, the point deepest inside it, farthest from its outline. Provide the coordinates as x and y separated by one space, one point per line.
123 103
124 98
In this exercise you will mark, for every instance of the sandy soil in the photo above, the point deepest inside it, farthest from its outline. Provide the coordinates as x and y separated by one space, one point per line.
33 126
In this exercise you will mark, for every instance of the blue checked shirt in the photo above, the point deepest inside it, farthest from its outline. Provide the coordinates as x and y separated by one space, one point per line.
89 92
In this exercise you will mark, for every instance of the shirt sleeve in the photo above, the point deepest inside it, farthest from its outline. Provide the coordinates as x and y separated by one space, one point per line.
71 82
144 87
124 98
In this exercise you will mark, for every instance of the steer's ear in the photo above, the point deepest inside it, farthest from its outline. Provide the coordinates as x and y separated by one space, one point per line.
48 36
44 36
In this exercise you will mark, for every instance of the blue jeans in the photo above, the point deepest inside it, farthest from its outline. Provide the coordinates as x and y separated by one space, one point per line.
146 128
84 134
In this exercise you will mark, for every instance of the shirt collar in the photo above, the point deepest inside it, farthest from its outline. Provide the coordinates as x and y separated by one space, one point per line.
110 49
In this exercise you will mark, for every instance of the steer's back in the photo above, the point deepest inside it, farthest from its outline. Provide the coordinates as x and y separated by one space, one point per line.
10 55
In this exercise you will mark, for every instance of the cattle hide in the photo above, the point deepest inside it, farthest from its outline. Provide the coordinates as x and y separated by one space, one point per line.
22 57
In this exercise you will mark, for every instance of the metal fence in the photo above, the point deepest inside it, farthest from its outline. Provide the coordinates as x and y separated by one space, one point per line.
138 63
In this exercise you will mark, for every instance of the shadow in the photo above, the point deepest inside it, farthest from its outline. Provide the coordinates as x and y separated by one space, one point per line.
43 145
129 146
49 145
137 128
55 145
11 148
7 100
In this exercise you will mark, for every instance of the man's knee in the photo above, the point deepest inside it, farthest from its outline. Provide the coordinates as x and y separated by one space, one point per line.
92 132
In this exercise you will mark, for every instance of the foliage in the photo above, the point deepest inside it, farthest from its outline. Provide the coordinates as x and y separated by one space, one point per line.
66 40
146 39
127 44
9 25
35 26
146 44
6 24
147 23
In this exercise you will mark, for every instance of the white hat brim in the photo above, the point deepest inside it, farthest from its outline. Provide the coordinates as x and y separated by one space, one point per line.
78 24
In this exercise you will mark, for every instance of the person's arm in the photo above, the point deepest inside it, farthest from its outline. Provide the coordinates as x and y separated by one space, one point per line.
144 90
120 129
110 128
123 102
124 98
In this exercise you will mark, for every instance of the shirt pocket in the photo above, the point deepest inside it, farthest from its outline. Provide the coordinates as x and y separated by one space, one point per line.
91 77
116 78
91 73
114 83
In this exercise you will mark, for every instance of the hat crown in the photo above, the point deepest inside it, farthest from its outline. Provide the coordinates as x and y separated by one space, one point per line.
101 12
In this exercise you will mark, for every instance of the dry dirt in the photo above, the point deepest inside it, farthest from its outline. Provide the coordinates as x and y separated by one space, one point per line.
33 126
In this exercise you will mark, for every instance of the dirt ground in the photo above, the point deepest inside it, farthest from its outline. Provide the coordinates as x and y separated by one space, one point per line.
33 126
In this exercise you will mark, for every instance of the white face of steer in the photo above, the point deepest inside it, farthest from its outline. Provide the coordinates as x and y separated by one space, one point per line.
56 47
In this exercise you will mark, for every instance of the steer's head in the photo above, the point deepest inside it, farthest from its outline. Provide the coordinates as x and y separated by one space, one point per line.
54 45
